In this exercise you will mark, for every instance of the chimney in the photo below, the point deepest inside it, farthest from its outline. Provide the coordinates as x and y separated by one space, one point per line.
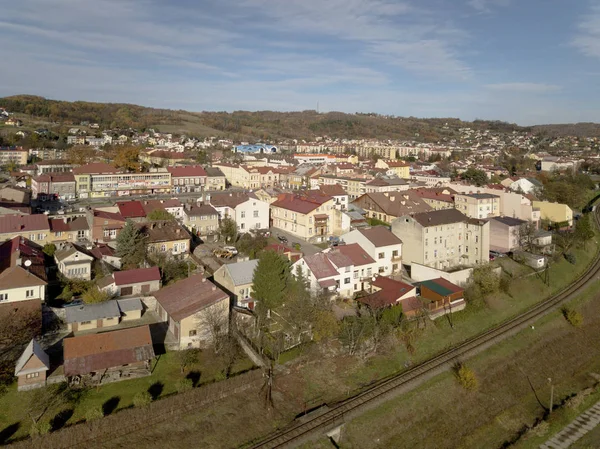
177 231
214 288
393 198
65 220
203 279
386 193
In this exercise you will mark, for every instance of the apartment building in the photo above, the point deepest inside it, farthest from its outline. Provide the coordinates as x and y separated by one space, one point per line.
443 239
53 185
400 168
477 205
437 198
33 227
189 178
390 205
555 212
215 179
11 155
381 244
202 221
386 184
249 177
245 208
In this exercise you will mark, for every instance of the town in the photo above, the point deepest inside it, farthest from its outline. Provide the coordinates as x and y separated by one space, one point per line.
130 254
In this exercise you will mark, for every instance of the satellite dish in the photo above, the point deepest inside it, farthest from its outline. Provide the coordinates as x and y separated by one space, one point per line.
27 263
373 278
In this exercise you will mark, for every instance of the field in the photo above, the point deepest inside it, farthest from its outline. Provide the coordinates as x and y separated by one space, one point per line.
115 396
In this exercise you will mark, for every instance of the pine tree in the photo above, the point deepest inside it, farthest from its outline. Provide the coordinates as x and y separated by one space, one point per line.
131 245
271 278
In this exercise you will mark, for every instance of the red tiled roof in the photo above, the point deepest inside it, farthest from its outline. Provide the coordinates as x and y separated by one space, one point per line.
187 171
136 276
201 210
353 252
389 294
96 167
55 177
59 224
380 236
131 209
23 223
188 296
109 215
101 250
230 199
332 190
434 194
397 164
282 249
320 266
303 204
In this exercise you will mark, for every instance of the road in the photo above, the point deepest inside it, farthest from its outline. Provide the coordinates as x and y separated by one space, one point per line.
307 248
338 414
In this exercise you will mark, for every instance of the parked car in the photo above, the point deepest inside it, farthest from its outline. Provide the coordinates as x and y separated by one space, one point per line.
232 249
282 238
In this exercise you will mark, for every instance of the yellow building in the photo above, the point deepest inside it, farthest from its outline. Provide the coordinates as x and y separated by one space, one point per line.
17 156
33 227
166 237
400 168
477 205
554 212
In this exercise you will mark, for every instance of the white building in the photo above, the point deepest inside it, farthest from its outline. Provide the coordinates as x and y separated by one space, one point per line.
245 208
381 244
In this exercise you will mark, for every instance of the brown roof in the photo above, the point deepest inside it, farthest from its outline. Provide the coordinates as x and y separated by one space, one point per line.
163 231
135 276
440 217
380 236
390 292
332 190
109 215
198 211
77 224
187 171
320 265
435 194
23 223
188 296
394 204
55 177
231 199
96 167
131 209
302 204
17 277
352 253
96 352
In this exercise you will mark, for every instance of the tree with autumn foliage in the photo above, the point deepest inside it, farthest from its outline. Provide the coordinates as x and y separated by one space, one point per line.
80 154
127 158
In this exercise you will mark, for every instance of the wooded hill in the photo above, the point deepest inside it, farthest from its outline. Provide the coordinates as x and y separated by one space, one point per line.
264 125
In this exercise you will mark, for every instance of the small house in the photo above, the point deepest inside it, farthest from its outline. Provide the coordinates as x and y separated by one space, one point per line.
236 278
74 263
387 292
140 281
441 297
32 367
104 314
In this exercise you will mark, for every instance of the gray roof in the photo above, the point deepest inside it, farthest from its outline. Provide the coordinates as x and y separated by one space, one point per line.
509 221
130 304
242 272
90 312
33 348
479 196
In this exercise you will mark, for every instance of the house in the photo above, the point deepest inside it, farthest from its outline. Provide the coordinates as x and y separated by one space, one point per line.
381 244
387 292
33 227
337 192
310 215
215 179
53 185
236 278
400 168
202 221
525 185
244 208
106 254
65 230
32 367
23 274
343 270
190 307
166 237
101 315
132 210
74 262
173 206
15 194
390 205
188 178
292 254
443 239
268 194
386 184
140 281
505 234
555 213
109 356
104 226
441 297
437 198
477 205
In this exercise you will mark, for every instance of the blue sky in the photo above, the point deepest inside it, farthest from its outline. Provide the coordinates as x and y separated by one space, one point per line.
524 61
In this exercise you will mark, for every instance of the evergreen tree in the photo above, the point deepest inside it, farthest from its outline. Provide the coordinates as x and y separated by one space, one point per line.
584 230
271 278
228 230
131 246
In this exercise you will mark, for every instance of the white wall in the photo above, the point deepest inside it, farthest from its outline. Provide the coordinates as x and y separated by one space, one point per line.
20 294
250 221
423 273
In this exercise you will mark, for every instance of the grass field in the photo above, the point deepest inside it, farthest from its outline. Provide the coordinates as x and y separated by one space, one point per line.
116 396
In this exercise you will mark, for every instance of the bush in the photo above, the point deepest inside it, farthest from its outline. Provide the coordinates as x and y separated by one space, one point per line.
93 413
572 316
40 428
142 399
465 376
505 284
49 249
184 385
570 258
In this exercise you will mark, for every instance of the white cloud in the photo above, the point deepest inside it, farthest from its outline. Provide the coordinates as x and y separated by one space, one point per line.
534 88
587 40
486 6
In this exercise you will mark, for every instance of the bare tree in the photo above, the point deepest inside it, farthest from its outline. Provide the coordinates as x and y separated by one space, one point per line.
526 236
214 320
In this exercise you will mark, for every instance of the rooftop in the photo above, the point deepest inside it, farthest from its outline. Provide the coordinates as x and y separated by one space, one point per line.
242 272
136 276
380 236
439 217
10 224
441 286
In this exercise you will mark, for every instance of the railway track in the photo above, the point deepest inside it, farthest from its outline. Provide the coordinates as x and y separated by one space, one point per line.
345 410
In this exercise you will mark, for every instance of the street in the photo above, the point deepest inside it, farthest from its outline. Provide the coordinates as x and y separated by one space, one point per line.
307 248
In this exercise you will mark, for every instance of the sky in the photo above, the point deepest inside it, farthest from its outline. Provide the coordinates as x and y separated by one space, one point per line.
522 61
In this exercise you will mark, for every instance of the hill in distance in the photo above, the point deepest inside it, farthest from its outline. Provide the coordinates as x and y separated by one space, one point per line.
268 125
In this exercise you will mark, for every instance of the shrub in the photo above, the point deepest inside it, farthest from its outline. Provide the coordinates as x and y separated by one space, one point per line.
571 258
40 428
540 429
93 413
49 249
184 385
572 316
465 376
142 399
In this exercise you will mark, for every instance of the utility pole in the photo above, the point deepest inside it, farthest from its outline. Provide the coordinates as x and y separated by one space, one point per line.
551 394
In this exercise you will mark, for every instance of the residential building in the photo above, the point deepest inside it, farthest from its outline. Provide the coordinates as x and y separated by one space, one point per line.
309 216
53 186
140 281
477 205
245 208
337 192
387 292
215 179
114 355
17 156
53 167
441 297
269 194
68 229
236 279
190 307
430 178
528 186
381 244
32 367
188 178
249 177
292 254
390 205
17 195
555 213
106 254
437 198
343 270
505 234
386 184
132 210
74 262
23 275
33 227
443 239
166 237
172 206
400 168
104 226
101 315
202 221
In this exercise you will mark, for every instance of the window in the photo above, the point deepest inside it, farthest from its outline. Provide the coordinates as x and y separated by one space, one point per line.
182 246
356 274
193 333
435 253
29 293
347 281
31 236
175 247
369 271
3 296
58 233
381 270
163 247
85 322
32 375
243 214
106 232
395 253
466 249
381 255
255 214
242 226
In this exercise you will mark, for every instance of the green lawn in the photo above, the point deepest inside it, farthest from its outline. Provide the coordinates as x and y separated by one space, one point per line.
166 373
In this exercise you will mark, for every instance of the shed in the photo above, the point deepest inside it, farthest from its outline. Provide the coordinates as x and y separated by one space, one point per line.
131 308
32 367
442 296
